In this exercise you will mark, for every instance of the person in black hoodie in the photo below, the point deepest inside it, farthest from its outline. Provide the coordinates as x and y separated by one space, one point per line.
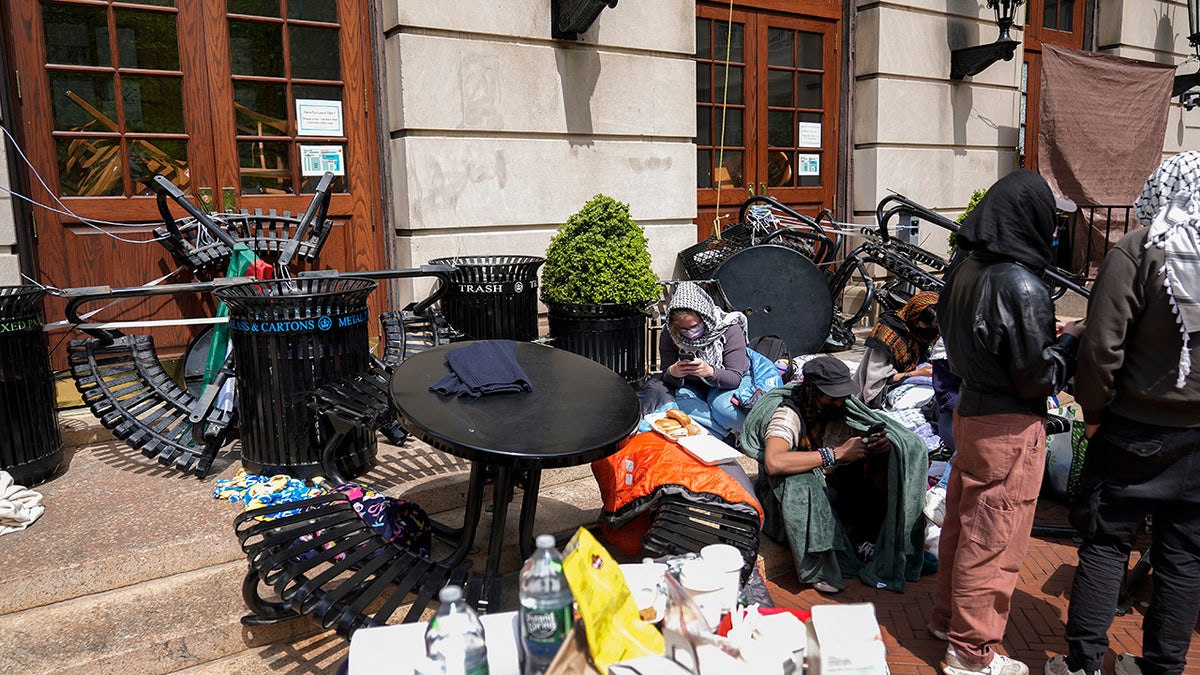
998 322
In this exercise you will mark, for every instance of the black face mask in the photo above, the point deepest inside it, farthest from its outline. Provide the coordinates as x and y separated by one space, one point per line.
929 334
831 413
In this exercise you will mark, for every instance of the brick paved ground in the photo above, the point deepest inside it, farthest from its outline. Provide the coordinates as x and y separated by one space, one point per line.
1035 627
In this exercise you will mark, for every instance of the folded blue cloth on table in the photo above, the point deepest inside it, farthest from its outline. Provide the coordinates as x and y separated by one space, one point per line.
482 368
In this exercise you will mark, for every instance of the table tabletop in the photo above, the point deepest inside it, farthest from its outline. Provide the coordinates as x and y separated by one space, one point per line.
577 412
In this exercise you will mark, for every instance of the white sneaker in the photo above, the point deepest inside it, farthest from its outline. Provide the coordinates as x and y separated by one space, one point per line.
1058 666
935 505
1000 665
1127 665
937 633
826 587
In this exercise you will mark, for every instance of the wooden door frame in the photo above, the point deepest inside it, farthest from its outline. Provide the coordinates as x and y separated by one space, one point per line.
24 241
842 13
830 93
365 148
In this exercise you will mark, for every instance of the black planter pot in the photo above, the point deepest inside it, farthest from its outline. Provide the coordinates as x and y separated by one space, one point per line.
609 334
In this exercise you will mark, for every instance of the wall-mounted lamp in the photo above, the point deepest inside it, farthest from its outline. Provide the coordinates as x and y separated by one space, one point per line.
1183 83
970 61
569 18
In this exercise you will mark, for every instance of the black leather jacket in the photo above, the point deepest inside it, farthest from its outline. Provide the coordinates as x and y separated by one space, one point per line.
998 323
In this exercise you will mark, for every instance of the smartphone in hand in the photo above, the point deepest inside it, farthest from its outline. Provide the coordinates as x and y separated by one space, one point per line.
687 356
876 429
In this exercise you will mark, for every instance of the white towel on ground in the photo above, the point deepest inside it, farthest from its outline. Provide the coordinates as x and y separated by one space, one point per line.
19 506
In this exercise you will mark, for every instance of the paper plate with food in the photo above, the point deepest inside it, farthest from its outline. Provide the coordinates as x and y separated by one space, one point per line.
674 424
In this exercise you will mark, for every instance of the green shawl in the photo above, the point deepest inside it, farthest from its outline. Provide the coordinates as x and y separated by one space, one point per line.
820 547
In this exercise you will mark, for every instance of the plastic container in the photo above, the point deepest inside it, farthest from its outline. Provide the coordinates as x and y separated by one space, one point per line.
703 582
729 561
493 297
30 445
455 636
547 606
290 336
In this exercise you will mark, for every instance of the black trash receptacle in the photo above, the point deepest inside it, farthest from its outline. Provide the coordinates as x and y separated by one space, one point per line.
30 445
290 336
609 334
493 297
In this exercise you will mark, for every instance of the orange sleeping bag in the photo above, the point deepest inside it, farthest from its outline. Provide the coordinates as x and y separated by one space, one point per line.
649 467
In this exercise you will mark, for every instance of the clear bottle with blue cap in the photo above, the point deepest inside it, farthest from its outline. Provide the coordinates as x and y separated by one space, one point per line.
455 636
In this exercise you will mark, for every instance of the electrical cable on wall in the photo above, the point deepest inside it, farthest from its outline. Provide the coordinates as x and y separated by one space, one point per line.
65 210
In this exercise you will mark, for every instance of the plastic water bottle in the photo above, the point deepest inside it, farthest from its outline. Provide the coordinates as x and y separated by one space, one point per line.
455 636
547 606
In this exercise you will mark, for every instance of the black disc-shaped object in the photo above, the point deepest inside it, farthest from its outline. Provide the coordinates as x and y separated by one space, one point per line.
782 293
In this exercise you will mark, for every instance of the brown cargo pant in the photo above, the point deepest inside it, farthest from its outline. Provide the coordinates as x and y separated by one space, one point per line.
990 504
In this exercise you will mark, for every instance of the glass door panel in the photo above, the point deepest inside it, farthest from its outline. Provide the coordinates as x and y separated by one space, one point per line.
773 130
116 90
287 95
723 134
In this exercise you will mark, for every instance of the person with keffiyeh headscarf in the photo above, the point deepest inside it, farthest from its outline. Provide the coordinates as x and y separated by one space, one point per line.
704 358
1139 388
898 348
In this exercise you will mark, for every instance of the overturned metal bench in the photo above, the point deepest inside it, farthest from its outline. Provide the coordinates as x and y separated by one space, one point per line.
324 562
363 400
206 241
680 526
124 384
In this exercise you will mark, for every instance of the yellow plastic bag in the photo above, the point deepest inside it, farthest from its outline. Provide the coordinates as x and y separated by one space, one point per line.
615 631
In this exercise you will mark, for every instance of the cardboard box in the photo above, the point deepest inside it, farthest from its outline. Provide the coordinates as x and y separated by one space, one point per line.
845 640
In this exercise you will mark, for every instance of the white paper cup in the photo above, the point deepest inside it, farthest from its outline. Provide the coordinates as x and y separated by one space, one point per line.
704 583
728 560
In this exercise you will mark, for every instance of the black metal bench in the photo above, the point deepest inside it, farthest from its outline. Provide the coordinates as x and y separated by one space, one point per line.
326 563
363 400
206 241
124 384
680 526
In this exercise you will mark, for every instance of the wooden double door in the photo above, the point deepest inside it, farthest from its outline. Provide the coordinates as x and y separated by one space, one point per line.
767 102
243 104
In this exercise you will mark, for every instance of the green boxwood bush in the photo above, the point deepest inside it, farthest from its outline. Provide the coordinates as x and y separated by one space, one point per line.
975 197
600 255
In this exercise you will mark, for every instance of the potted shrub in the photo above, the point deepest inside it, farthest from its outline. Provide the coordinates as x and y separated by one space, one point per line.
597 283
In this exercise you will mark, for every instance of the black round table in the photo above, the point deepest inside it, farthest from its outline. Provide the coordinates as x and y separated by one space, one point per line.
577 412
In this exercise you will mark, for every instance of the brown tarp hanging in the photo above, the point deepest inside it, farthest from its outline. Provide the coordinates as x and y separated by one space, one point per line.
1102 123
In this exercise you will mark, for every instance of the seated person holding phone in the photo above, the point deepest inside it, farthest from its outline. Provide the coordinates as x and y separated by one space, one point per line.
829 460
704 359
897 349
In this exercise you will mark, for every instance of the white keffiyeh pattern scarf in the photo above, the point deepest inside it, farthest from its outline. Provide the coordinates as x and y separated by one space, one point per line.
710 347
1170 206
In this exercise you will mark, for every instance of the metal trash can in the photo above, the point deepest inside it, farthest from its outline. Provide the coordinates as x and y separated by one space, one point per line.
290 336
611 335
30 445
493 297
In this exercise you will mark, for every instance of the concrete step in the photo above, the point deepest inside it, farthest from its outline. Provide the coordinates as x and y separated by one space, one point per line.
135 567
157 626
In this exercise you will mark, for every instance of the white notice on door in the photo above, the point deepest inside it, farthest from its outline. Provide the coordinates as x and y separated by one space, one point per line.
810 135
316 117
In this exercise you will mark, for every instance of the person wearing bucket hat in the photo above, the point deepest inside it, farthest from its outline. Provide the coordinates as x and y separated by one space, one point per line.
808 431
